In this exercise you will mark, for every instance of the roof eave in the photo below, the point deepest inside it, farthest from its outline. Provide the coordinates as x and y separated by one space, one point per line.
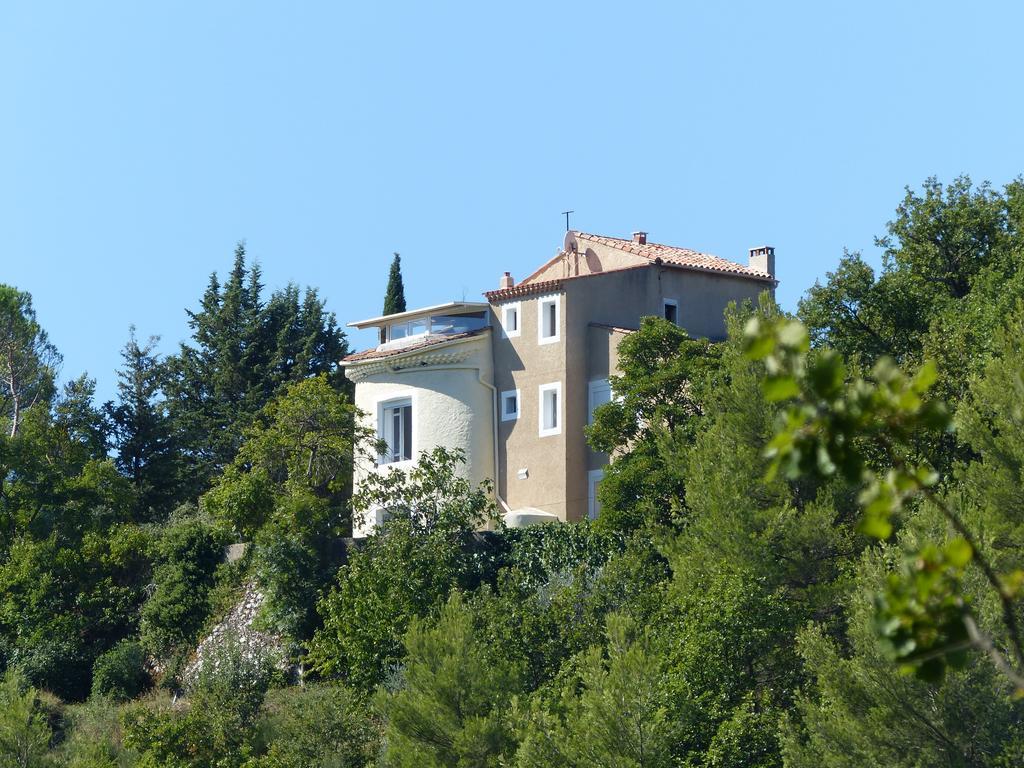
378 321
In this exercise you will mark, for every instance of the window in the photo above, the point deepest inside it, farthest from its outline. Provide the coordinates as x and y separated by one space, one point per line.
670 310
600 392
510 405
594 478
547 320
396 430
550 409
452 324
416 327
510 320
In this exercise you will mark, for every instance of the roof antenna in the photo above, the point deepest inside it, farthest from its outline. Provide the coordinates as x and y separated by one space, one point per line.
566 214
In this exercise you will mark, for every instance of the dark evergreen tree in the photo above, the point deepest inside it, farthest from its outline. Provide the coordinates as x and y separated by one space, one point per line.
394 297
243 352
142 430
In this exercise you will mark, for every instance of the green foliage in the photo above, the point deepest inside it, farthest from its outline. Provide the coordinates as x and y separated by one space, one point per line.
215 728
405 569
28 361
613 710
859 709
449 706
24 732
304 442
659 395
61 607
317 725
187 555
833 426
142 431
951 273
93 738
394 296
244 352
119 674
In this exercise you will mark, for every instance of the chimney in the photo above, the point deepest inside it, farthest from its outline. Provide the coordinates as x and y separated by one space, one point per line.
506 281
763 259
640 238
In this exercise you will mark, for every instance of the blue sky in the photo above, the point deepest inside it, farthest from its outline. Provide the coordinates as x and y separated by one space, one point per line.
140 141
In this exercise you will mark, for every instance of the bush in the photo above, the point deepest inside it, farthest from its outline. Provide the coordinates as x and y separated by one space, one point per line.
119 673
328 725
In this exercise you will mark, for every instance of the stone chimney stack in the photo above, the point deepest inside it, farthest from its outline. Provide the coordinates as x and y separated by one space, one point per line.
506 281
640 238
763 259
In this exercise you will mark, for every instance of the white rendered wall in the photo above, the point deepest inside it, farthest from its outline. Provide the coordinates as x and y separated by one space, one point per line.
451 407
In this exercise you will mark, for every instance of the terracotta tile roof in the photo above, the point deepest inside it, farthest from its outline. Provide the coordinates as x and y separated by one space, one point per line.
670 255
679 257
375 354
525 289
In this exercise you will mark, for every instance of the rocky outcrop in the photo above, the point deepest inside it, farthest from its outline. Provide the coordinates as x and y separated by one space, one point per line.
237 628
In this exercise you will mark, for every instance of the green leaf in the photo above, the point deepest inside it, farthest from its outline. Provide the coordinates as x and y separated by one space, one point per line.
876 526
793 335
959 552
926 377
778 388
827 375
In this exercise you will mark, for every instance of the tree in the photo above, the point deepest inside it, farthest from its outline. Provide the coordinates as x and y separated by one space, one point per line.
864 430
120 672
304 441
187 555
407 568
950 273
24 732
450 706
288 489
318 725
394 297
244 352
612 712
142 430
28 361
658 396
857 709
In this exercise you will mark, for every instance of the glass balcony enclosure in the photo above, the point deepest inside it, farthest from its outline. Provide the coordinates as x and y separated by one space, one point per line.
437 325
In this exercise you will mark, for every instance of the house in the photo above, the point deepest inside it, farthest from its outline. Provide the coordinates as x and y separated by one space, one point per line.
513 380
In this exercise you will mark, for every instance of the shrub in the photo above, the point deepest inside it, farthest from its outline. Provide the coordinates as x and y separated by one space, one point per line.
119 673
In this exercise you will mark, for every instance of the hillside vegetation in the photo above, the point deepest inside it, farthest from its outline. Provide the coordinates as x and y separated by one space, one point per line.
809 552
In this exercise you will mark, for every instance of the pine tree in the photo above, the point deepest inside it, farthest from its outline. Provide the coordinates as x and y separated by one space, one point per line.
142 431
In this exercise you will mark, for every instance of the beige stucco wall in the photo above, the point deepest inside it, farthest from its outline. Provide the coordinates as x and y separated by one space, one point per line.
558 466
590 258
524 364
452 406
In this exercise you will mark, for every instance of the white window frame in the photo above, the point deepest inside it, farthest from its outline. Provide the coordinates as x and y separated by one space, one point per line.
516 307
408 325
542 302
670 303
593 388
389 404
542 390
505 415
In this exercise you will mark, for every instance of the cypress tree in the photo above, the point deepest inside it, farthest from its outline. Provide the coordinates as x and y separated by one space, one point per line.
394 298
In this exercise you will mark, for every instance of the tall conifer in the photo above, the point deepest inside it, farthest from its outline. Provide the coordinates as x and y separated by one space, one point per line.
394 299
